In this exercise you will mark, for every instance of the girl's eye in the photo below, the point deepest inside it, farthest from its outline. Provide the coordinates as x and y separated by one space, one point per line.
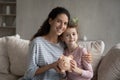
73 33
67 35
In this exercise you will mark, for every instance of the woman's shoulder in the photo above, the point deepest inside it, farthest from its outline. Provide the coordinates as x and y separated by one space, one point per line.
37 40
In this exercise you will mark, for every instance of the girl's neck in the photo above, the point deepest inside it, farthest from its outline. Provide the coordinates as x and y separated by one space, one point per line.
72 47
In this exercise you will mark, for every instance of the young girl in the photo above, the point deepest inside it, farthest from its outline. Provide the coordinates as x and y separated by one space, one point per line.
81 69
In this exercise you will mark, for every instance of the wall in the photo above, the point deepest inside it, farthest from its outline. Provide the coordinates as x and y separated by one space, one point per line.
98 19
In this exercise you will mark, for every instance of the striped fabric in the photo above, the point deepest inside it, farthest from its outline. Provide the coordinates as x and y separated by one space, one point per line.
42 53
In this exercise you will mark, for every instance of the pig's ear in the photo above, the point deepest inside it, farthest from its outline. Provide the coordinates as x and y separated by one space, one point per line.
71 56
61 56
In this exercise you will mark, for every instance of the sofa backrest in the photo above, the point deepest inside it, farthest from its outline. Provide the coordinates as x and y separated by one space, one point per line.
17 52
96 48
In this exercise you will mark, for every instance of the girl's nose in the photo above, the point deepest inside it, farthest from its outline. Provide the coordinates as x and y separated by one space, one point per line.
71 36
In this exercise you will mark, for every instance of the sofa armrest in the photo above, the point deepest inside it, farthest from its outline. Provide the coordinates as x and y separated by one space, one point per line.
109 68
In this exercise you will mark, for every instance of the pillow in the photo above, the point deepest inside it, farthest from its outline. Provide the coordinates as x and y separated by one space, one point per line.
17 52
96 48
4 62
8 77
109 68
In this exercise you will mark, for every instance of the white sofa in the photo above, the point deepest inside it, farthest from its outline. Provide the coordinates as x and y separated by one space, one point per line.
14 51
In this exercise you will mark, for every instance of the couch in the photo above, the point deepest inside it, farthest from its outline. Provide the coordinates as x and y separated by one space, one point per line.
14 52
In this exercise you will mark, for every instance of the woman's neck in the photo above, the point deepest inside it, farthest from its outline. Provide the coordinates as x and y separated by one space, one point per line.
51 38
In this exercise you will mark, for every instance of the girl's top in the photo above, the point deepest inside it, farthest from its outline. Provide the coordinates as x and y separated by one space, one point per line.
42 53
87 71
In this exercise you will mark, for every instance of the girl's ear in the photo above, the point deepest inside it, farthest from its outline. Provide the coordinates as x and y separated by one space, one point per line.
62 38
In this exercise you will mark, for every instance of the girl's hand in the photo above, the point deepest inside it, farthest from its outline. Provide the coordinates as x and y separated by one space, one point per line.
88 57
75 68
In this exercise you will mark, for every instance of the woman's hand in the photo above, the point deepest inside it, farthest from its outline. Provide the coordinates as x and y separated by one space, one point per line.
88 57
56 67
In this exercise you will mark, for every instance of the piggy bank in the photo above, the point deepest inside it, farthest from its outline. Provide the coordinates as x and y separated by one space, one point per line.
64 63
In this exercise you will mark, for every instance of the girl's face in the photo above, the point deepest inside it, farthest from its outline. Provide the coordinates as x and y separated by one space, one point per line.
70 36
59 24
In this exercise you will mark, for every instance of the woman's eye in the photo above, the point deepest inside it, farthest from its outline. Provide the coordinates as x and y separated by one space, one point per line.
58 21
66 23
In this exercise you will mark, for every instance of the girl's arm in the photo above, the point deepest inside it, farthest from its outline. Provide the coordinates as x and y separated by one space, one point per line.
87 72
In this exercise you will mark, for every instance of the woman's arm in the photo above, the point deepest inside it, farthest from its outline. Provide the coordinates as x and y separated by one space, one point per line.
45 68
36 64
35 61
87 57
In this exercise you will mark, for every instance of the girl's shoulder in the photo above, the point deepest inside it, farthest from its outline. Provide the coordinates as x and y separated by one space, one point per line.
83 49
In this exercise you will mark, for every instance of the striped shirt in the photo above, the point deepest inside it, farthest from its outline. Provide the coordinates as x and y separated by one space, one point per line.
42 53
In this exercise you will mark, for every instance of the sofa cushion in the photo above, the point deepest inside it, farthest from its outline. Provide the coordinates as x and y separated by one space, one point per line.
109 68
4 62
4 76
17 52
96 48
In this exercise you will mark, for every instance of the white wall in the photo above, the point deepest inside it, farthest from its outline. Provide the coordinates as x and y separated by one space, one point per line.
98 19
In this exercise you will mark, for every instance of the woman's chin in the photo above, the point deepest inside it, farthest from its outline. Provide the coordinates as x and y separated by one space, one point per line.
59 33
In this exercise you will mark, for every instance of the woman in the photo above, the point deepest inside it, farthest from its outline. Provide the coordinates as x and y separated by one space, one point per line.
45 48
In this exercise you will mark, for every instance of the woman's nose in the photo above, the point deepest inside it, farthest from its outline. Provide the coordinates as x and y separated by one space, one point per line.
62 25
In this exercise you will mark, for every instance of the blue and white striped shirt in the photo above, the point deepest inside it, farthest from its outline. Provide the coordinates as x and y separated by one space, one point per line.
42 52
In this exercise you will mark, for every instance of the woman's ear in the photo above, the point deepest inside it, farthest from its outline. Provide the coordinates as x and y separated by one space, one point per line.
50 21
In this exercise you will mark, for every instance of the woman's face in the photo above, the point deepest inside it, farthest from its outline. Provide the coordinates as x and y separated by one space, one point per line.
59 24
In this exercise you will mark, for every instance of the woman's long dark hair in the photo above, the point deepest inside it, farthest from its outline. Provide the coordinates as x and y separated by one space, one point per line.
45 28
